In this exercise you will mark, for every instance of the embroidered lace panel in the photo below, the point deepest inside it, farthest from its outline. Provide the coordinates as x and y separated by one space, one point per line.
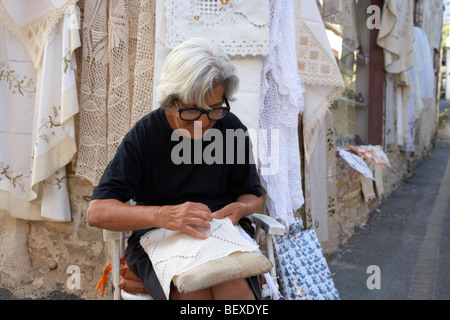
246 23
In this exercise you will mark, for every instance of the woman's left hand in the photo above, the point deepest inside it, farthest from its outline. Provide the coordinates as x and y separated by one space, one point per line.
245 204
234 211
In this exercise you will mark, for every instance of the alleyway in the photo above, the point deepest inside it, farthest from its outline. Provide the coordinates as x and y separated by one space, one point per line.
407 240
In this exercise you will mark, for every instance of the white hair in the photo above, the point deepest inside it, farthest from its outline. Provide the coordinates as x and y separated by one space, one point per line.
192 70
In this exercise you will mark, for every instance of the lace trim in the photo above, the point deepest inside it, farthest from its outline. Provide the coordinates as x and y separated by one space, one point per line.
312 126
34 35
317 68
315 65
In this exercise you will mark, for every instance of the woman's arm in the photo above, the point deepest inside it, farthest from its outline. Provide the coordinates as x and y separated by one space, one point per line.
114 215
245 205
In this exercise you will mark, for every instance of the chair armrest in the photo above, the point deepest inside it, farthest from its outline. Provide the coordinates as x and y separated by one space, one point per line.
115 235
268 224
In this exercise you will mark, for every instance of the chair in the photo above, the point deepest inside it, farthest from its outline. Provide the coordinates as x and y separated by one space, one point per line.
264 226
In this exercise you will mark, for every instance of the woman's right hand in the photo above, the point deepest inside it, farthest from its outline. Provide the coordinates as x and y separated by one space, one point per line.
186 217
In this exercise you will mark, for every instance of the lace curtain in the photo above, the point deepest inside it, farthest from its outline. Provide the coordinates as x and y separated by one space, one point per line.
118 47
281 103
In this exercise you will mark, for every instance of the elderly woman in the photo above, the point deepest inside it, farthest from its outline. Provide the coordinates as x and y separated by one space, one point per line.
196 84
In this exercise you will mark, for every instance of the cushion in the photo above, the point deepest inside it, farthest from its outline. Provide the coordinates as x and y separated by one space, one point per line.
130 282
126 273
238 265
132 286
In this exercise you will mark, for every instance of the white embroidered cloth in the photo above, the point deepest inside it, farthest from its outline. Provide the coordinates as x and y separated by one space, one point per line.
173 252
241 27
281 103
37 129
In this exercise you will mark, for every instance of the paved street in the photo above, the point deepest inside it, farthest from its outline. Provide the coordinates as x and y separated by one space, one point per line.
407 240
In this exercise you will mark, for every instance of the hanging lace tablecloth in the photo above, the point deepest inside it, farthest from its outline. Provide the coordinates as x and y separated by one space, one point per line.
338 12
116 78
241 27
396 35
281 103
37 130
173 252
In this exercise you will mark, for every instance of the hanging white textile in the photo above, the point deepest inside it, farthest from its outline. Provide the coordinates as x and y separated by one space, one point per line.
338 12
116 78
16 121
316 192
239 27
396 35
37 127
390 133
323 84
423 63
402 97
318 70
410 135
281 102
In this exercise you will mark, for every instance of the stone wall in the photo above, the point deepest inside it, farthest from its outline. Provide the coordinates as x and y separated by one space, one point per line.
352 210
35 256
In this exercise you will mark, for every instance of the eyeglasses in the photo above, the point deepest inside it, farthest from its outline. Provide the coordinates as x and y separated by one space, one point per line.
214 114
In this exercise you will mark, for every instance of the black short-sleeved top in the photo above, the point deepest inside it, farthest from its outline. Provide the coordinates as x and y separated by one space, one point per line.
143 168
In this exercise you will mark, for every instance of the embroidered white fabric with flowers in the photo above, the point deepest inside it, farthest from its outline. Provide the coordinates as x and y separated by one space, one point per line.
174 252
40 103
240 27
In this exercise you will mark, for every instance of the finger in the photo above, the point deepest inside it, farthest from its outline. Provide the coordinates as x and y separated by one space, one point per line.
195 233
202 214
199 223
220 214
198 206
